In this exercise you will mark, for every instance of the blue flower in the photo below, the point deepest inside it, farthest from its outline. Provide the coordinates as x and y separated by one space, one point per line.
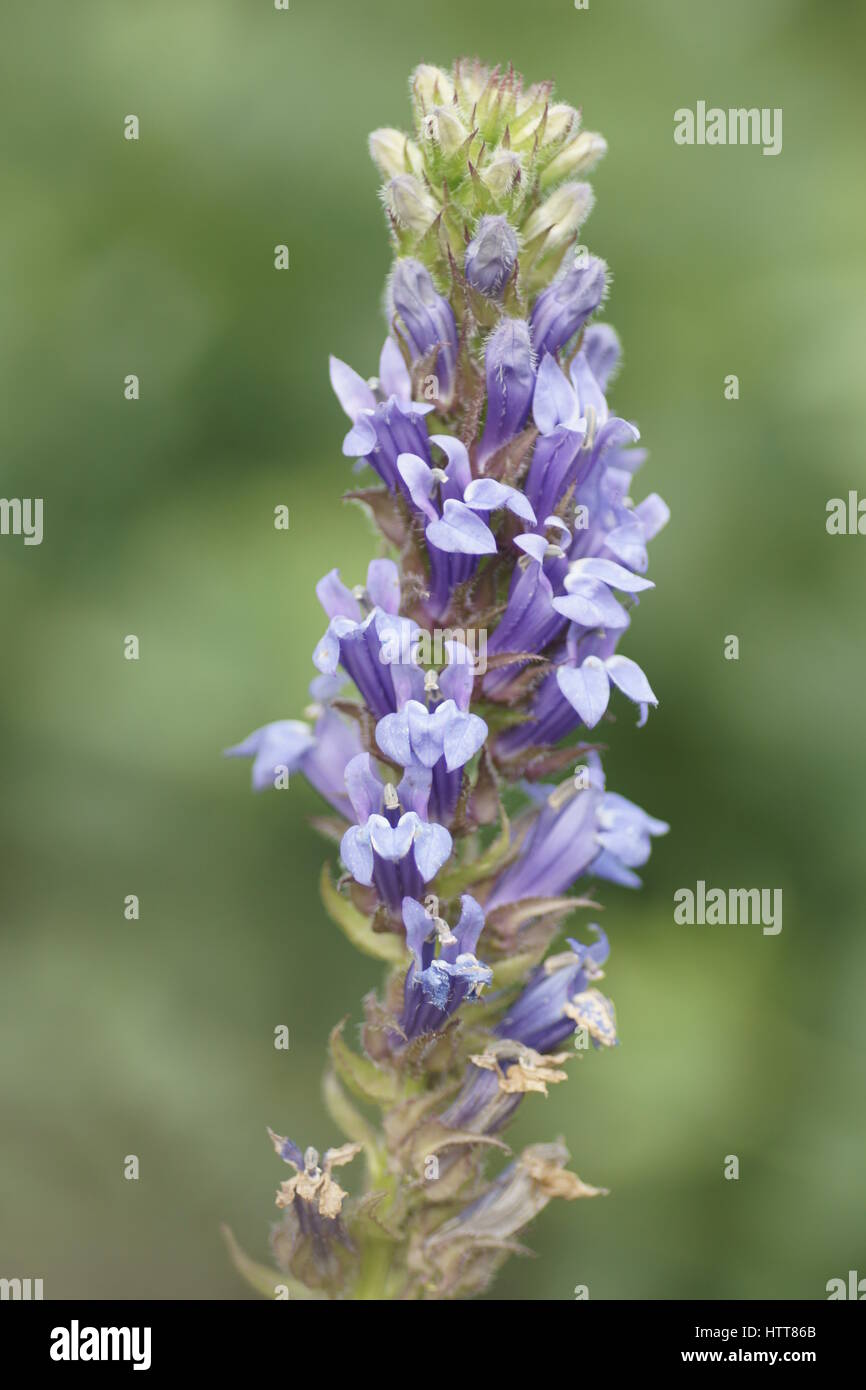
454 505
562 309
276 749
385 420
399 850
509 366
438 983
425 320
544 1015
491 256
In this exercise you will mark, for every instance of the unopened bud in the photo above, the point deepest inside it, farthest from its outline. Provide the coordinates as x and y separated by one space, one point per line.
501 174
561 214
426 318
445 129
579 156
431 87
471 81
491 255
561 121
410 203
510 371
564 307
393 152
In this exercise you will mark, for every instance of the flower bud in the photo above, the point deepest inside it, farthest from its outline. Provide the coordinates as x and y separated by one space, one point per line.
471 79
561 121
491 256
444 128
510 371
501 174
550 127
560 215
565 306
579 156
393 152
425 318
410 203
431 87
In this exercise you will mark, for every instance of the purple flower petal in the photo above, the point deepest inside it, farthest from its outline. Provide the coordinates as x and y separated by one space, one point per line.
461 532
392 736
337 600
394 376
274 748
653 514
628 543
630 679
486 494
602 349
458 678
464 735
533 545
586 688
414 789
351 390
419 481
432 848
457 468
363 786
357 854
469 926
419 927
392 842
589 603
361 439
610 573
326 654
554 402
426 731
383 585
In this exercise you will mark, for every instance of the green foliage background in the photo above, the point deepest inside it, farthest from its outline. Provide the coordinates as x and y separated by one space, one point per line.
155 1038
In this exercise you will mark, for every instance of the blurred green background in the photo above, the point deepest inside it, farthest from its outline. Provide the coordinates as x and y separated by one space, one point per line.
155 1037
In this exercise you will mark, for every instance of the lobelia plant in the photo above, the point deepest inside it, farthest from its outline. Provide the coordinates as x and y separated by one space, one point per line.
456 687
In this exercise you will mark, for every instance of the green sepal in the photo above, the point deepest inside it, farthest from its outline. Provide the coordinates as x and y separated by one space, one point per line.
363 1078
262 1278
380 945
354 1125
449 885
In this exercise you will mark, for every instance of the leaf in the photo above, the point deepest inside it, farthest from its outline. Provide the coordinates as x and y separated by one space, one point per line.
512 658
332 827
517 913
263 1279
383 510
431 1139
449 885
367 1221
350 1120
362 1076
512 971
510 461
380 945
